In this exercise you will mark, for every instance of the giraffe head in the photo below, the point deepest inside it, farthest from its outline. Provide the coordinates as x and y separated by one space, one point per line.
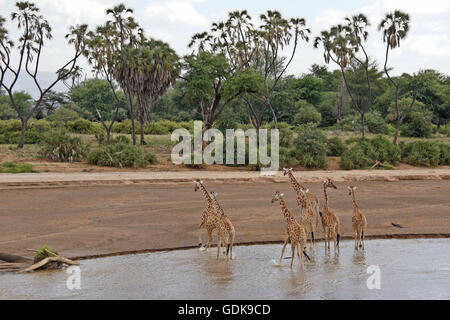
197 184
277 196
286 171
329 184
304 192
351 189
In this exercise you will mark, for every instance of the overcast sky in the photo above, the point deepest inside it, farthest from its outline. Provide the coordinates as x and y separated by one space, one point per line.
175 21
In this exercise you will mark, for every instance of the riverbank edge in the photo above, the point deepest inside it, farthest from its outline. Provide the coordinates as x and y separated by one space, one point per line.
252 243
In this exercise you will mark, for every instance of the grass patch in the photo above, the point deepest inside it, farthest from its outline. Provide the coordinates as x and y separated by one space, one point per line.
16 167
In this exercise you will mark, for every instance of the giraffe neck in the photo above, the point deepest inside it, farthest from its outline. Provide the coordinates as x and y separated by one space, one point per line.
325 195
285 210
205 193
355 204
295 182
217 206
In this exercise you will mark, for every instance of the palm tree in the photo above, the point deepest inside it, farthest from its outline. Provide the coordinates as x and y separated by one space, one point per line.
395 27
153 67
126 27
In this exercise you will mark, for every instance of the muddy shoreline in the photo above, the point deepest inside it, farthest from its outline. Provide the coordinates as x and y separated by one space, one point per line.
96 221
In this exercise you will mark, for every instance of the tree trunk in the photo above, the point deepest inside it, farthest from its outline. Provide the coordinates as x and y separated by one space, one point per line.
13 258
133 130
363 124
22 134
397 132
142 123
108 136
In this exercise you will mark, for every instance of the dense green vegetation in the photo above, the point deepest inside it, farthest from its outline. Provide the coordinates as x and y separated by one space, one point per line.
232 79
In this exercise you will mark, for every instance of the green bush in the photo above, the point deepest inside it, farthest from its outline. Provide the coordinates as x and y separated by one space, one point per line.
335 146
366 152
352 122
418 124
82 126
16 167
444 158
376 124
121 139
13 137
385 150
311 147
10 125
120 155
59 145
307 114
42 254
287 157
422 153
40 126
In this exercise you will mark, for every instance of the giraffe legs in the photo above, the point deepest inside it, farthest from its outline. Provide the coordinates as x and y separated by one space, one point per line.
300 253
284 247
362 239
293 245
210 238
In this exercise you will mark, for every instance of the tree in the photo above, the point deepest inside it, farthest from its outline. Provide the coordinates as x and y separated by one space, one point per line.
97 97
341 45
249 49
395 27
65 115
34 31
211 82
100 48
153 67
127 31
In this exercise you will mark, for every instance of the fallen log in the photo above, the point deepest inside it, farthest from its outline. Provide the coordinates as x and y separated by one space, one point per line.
13 258
48 260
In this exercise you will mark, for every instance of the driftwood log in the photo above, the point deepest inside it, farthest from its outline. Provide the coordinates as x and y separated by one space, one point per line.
18 263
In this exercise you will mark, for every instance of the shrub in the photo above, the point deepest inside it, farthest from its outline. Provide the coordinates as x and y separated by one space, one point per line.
121 139
366 152
351 122
120 155
16 167
13 137
335 146
81 126
385 150
42 254
376 124
444 158
40 126
418 124
311 147
359 156
58 145
287 157
422 153
307 114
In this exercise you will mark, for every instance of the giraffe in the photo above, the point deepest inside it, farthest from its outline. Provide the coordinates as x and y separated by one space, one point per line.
308 215
302 202
295 233
359 220
225 228
207 218
330 222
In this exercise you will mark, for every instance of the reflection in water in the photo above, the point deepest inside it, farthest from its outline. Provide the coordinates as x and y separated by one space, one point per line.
411 269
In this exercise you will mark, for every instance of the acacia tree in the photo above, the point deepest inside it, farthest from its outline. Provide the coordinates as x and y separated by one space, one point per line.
216 73
395 27
34 31
100 47
260 49
341 45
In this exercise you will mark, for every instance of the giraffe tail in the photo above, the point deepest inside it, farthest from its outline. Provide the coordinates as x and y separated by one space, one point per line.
306 255
338 238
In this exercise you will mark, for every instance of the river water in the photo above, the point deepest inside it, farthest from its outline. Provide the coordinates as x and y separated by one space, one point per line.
409 269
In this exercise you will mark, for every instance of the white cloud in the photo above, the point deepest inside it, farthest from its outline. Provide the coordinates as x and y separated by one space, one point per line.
430 44
175 12
416 6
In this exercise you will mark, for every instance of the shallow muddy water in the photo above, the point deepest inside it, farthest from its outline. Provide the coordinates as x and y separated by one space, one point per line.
410 269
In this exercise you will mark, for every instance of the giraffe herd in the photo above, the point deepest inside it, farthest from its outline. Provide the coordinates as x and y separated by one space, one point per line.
297 232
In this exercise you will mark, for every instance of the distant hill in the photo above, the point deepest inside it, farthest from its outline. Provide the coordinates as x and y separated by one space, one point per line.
26 83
